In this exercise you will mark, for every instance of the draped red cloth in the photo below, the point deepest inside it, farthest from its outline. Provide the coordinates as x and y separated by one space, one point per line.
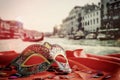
83 68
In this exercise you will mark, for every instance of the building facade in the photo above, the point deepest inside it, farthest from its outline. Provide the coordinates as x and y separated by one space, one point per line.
91 18
102 18
86 18
10 29
110 11
72 23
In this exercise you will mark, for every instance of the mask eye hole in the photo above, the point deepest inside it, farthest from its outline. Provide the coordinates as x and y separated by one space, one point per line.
60 58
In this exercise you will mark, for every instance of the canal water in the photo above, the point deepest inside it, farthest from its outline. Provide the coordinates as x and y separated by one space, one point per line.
94 42
89 46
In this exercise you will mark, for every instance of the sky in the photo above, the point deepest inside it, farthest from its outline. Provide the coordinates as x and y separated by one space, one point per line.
40 15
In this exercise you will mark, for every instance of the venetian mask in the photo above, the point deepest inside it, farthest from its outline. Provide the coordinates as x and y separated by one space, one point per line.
35 58
58 55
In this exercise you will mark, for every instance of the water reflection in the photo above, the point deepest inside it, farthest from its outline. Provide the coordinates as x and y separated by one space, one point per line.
111 43
90 46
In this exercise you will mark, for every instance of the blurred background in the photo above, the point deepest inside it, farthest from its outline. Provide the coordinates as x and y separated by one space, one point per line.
92 25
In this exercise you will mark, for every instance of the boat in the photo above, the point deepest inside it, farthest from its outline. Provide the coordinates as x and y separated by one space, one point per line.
34 39
6 57
102 36
103 63
91 36
114 55
84 66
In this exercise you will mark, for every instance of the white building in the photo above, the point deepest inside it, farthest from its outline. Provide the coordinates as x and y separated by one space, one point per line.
91 18
72 22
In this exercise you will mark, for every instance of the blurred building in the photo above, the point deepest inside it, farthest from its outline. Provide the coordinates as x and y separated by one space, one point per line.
10 29
91 18
110 17
72 23
86 18
56 29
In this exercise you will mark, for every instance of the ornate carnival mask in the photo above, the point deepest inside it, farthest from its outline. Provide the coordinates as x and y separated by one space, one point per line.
35 58
58 55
